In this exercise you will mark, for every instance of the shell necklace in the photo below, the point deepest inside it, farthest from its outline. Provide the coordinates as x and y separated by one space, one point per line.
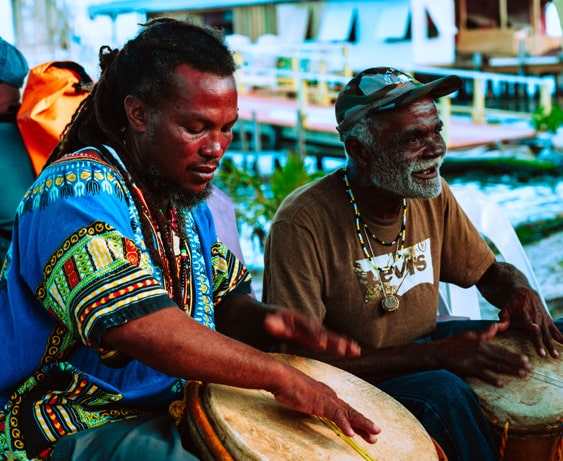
390 301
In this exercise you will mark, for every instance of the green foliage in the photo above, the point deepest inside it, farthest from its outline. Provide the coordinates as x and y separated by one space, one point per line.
256 197
542 121
535 231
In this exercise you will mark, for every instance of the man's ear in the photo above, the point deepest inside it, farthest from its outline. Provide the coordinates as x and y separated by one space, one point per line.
356 151
136 112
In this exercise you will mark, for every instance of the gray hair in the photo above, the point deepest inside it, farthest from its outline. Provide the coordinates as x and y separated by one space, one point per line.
368 130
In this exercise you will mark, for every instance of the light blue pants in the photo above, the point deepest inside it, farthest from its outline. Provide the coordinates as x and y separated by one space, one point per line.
147 437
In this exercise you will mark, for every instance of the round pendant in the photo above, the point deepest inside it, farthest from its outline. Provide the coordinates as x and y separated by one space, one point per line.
390 303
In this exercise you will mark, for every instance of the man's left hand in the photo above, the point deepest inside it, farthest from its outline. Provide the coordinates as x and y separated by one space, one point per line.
526 309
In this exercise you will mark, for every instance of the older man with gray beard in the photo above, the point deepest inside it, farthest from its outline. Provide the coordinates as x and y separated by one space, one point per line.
364 249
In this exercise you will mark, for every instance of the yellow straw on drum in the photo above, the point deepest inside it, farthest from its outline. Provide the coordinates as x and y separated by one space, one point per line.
349 440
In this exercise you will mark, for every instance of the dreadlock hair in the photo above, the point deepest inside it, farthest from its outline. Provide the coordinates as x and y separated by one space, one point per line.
143 69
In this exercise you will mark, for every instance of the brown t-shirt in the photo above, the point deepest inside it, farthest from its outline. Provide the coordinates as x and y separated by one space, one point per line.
314 262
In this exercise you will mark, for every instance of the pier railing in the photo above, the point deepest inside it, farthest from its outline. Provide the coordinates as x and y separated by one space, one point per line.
320 87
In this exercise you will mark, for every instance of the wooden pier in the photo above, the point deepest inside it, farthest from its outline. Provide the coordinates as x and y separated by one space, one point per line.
275 120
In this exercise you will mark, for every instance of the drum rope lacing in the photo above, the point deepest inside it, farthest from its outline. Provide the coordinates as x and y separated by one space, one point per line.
559 451
504 439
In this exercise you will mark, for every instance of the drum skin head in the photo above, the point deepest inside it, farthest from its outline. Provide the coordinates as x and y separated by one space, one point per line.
530 404
252 425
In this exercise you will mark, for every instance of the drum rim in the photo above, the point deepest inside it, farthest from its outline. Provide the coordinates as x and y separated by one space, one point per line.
205 390
538 430
212 448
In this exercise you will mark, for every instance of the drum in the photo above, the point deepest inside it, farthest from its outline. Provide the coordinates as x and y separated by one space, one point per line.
527 413
232 423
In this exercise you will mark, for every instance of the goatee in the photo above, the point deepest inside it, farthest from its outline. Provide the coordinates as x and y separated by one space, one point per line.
163 188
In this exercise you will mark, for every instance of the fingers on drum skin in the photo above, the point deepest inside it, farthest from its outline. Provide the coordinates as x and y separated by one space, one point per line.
490 378
352 421
551 338
510 362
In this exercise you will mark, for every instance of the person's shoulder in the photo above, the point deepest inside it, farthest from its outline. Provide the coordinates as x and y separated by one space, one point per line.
88 157
311 200
86 154
315 195
80 174
446 197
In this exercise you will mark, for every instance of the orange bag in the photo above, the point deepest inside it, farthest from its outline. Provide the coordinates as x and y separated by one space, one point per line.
51 95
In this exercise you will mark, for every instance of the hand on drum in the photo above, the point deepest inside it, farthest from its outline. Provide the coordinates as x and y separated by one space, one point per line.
471 354
305 394
290 325
526 308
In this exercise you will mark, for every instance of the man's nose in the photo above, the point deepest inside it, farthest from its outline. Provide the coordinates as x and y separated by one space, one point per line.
212 148
435 147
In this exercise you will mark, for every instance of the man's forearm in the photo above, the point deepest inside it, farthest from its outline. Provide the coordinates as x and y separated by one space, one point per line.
499 281
376 365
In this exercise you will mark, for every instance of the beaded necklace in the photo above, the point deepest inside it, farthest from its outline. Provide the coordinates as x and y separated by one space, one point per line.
390 302
360 223
183 260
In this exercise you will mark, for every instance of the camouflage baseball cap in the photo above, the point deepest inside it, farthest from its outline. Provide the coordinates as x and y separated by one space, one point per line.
382 88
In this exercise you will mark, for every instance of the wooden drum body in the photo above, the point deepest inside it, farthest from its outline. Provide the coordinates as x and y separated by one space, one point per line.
527 413
231 423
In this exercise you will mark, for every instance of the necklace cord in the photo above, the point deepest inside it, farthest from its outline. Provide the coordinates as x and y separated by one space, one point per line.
399 240
389 302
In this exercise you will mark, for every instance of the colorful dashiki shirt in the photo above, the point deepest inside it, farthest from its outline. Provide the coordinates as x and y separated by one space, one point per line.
79 265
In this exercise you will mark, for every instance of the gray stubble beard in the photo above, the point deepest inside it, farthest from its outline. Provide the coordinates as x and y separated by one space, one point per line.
398 178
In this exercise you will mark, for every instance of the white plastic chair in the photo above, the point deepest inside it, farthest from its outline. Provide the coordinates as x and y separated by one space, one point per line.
492 222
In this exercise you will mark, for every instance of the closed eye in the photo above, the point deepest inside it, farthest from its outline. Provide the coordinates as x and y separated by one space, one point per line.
228 128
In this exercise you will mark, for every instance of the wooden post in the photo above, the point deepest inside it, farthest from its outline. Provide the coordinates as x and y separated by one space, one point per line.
242 135
347 70
239 77
301 116
462 14
445 111
545 98
503 14
537 28
322 86
257 133
478 113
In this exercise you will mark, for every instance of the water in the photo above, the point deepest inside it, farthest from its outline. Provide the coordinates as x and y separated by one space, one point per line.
524 200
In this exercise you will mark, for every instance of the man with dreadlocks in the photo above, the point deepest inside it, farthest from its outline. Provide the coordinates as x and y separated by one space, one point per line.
116 279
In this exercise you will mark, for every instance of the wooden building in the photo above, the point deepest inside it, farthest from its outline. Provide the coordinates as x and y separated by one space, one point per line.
506 28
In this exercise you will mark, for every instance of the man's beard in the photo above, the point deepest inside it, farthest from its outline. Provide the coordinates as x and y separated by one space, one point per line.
397 177
166 189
